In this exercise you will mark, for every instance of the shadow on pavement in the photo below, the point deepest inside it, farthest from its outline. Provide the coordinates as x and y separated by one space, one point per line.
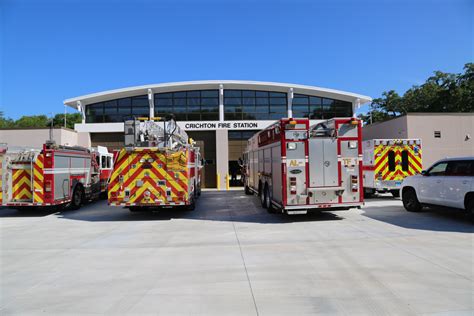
434 219
233 206
35 212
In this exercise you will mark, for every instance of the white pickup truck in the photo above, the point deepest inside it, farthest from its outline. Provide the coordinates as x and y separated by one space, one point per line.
449 182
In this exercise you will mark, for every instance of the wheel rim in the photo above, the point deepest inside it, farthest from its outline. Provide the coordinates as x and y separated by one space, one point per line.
77 197
267 200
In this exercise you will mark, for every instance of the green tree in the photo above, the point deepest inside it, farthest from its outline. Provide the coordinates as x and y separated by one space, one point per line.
32 121
5 122
71 119
442 92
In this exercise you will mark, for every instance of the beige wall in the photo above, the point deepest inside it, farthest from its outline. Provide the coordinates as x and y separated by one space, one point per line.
36 137
455 128
395 128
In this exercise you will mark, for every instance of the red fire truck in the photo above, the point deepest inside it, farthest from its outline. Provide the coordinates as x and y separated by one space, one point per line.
295 168
54 176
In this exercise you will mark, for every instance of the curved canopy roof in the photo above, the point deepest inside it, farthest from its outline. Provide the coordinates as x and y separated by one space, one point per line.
214 84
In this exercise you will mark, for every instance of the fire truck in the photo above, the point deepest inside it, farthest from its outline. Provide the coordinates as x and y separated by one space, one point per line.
159 167
387 162
52 176
295 168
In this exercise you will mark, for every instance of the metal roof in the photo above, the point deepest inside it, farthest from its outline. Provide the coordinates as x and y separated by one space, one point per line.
214 84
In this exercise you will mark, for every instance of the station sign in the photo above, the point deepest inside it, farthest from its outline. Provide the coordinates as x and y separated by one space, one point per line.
226 125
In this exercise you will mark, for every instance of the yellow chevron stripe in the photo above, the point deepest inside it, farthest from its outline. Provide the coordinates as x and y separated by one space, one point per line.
22 193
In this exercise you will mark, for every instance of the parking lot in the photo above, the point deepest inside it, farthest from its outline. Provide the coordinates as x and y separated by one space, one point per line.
230 257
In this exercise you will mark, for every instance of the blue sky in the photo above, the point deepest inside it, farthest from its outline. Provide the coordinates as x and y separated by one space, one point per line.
54 50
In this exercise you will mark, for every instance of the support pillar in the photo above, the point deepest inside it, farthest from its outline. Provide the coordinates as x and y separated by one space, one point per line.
222 157
221 103
290 103
151 102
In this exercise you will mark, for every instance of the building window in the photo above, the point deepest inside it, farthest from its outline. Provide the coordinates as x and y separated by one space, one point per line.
194 105
254 105
437 134
117 110
319 108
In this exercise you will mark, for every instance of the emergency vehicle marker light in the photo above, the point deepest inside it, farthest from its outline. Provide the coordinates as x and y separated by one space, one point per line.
150 160
291 146
292 122
47 186
354 121
48 154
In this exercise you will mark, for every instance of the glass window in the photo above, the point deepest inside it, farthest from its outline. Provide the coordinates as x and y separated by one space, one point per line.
248 101
210 94
140 101
163 96
181 94
232 101
315 100
391 160
459 168
110 107
300 101
277 94
405 160
163 102
210 101
124 106
233 93
248 94
193 94
179 102
261 94
278 101
109 162
262 101
194 101
438 169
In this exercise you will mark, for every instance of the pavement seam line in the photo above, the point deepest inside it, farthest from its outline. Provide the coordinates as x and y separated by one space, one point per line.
245 267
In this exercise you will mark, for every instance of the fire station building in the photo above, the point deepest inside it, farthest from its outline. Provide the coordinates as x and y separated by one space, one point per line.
220 115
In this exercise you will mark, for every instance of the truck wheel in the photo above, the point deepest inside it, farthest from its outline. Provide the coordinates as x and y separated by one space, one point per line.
470 208
263 198
192 205
268 201
395 193
410 201
77 197
247 190
368 193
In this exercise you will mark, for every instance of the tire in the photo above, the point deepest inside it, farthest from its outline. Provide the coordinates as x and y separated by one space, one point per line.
77 198
268 201
395 193
262 198
410 201
247 190
368 193
192 205
470 208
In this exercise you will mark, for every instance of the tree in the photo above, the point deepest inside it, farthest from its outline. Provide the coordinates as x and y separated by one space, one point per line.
442 92
5 122
32 121
71 119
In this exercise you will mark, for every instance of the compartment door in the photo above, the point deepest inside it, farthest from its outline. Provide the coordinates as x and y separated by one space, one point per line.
323 162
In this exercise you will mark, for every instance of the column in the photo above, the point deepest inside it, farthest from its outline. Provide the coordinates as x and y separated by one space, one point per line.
355 107
82 110
221 102
151 102
290 102
222 157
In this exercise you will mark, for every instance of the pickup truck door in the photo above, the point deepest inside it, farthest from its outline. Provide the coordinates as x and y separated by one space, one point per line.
431 185
457 182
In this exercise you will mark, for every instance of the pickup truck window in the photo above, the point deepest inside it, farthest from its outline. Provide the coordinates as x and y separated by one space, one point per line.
460 168
438 169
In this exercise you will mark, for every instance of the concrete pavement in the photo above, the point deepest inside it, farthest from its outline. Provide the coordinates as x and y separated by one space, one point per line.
229 257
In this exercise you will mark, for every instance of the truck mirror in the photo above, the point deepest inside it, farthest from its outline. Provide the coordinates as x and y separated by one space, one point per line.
423 172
